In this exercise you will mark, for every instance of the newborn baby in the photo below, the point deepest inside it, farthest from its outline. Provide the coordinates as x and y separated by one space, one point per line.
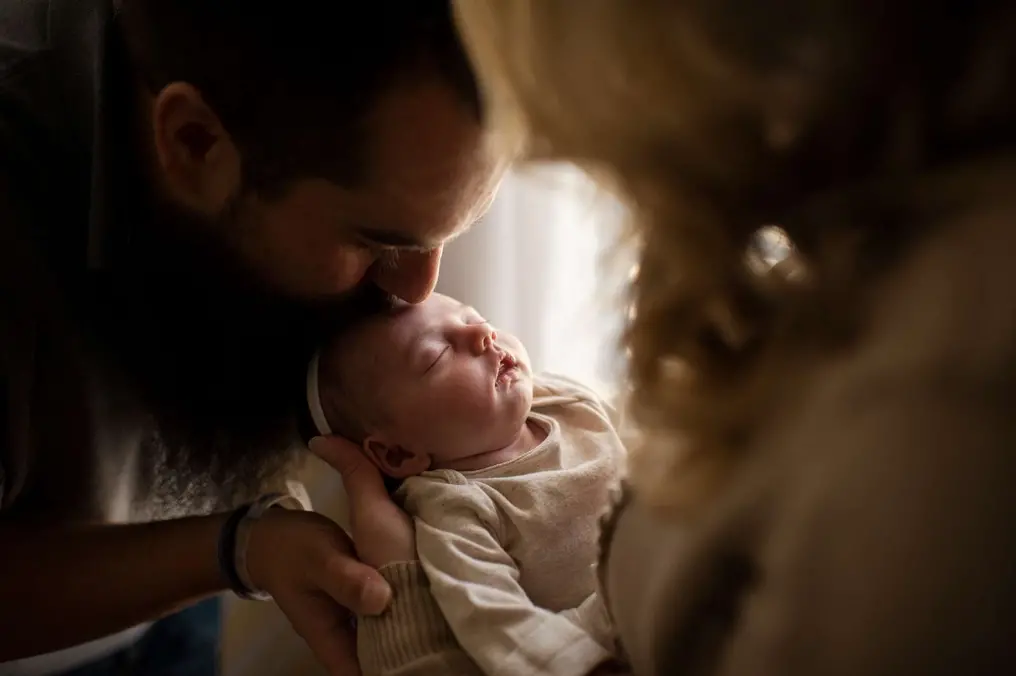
504 473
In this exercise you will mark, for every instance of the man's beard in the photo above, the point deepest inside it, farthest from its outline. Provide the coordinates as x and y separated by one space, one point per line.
217 358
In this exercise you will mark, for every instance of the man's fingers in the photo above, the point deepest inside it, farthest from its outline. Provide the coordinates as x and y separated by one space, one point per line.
325 628
354 585
342 454
360 477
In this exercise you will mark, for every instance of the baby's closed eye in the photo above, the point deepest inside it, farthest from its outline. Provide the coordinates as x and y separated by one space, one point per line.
433 356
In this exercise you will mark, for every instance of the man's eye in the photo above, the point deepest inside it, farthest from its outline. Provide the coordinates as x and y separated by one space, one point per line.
368 245
388 258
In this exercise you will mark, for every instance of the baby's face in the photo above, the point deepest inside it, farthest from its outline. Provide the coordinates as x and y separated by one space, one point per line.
450 386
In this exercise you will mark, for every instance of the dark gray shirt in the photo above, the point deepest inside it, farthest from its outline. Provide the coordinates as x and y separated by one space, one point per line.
69 436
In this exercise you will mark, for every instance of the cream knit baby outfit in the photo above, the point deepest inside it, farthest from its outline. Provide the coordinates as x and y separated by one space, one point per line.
509 554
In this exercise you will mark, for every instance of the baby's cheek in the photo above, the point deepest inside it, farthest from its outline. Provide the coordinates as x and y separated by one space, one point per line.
429 411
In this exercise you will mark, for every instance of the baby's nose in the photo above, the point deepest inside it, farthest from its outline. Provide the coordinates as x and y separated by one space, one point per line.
484 338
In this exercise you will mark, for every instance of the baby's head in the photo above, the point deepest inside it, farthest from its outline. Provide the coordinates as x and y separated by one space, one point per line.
423 386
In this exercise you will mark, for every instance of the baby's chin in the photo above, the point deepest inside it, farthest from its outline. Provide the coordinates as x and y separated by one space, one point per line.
517 401
505 443
517 422
507 429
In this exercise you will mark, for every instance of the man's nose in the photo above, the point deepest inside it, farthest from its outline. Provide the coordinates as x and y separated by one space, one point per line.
413 276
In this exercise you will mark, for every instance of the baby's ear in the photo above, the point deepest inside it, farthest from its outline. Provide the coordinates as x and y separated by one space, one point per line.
394 460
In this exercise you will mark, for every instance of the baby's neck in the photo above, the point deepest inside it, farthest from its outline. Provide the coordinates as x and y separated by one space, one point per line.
530 436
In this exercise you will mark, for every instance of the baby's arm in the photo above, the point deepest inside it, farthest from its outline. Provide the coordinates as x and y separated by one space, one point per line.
411 638
592 616
476 585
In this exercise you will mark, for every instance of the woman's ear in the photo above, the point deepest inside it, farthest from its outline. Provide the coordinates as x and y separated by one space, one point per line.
394 460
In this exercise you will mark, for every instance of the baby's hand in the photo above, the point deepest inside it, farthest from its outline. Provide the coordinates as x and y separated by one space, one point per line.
382 532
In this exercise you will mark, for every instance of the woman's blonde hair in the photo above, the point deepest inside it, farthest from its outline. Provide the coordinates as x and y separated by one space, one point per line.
712 118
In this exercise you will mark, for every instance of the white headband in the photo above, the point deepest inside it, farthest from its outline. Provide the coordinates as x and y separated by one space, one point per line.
317 411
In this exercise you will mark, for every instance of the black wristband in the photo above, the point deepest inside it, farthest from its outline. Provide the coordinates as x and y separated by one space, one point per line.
227 553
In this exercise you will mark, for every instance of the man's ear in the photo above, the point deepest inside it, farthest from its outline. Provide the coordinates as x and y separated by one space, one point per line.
198 162
394 460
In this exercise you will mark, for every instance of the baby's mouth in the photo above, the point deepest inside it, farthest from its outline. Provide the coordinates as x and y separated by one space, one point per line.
506 368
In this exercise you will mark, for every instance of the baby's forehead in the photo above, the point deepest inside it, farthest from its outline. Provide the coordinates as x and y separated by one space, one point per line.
382 333
432 311
406 323
361 351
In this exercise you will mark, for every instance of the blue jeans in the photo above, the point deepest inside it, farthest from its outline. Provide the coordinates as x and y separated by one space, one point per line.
184 644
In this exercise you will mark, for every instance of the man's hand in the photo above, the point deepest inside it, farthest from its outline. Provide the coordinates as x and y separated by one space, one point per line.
305 562
382 532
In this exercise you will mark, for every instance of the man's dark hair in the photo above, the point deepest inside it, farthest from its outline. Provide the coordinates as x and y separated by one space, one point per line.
293 82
